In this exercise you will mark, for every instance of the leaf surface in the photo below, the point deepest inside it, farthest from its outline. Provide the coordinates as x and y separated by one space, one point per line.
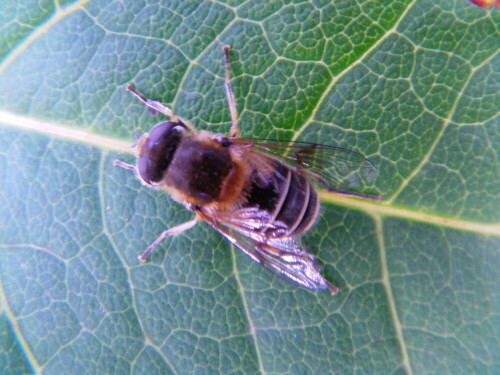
413 85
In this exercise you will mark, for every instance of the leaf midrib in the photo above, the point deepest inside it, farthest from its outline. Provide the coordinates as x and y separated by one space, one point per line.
369 207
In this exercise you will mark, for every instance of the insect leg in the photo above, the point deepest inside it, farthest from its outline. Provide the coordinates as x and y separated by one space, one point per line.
169 232
376 198
156 105
121 164
327 187
230 96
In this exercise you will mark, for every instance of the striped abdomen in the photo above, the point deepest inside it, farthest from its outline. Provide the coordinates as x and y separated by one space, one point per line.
288 197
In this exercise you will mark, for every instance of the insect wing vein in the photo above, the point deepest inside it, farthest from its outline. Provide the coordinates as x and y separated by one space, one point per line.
284 256
332 166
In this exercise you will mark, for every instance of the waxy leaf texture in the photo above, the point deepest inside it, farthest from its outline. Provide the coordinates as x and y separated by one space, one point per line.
413 85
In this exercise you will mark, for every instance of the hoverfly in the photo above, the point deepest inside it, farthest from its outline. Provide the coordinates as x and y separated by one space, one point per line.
245 188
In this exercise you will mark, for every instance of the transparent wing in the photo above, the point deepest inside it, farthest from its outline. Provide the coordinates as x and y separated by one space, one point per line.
333 167
285 255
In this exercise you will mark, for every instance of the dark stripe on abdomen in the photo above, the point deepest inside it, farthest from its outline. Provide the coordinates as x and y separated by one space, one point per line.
295 209
310 214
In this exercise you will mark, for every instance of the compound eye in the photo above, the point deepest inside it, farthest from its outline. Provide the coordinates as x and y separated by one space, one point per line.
158 151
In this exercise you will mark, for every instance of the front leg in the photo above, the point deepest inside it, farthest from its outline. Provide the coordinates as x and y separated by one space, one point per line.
154 104
121 164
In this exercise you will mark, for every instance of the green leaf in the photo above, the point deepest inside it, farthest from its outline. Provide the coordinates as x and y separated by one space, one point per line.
411 84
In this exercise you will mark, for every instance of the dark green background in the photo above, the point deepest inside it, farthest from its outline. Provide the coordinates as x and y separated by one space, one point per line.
411 84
